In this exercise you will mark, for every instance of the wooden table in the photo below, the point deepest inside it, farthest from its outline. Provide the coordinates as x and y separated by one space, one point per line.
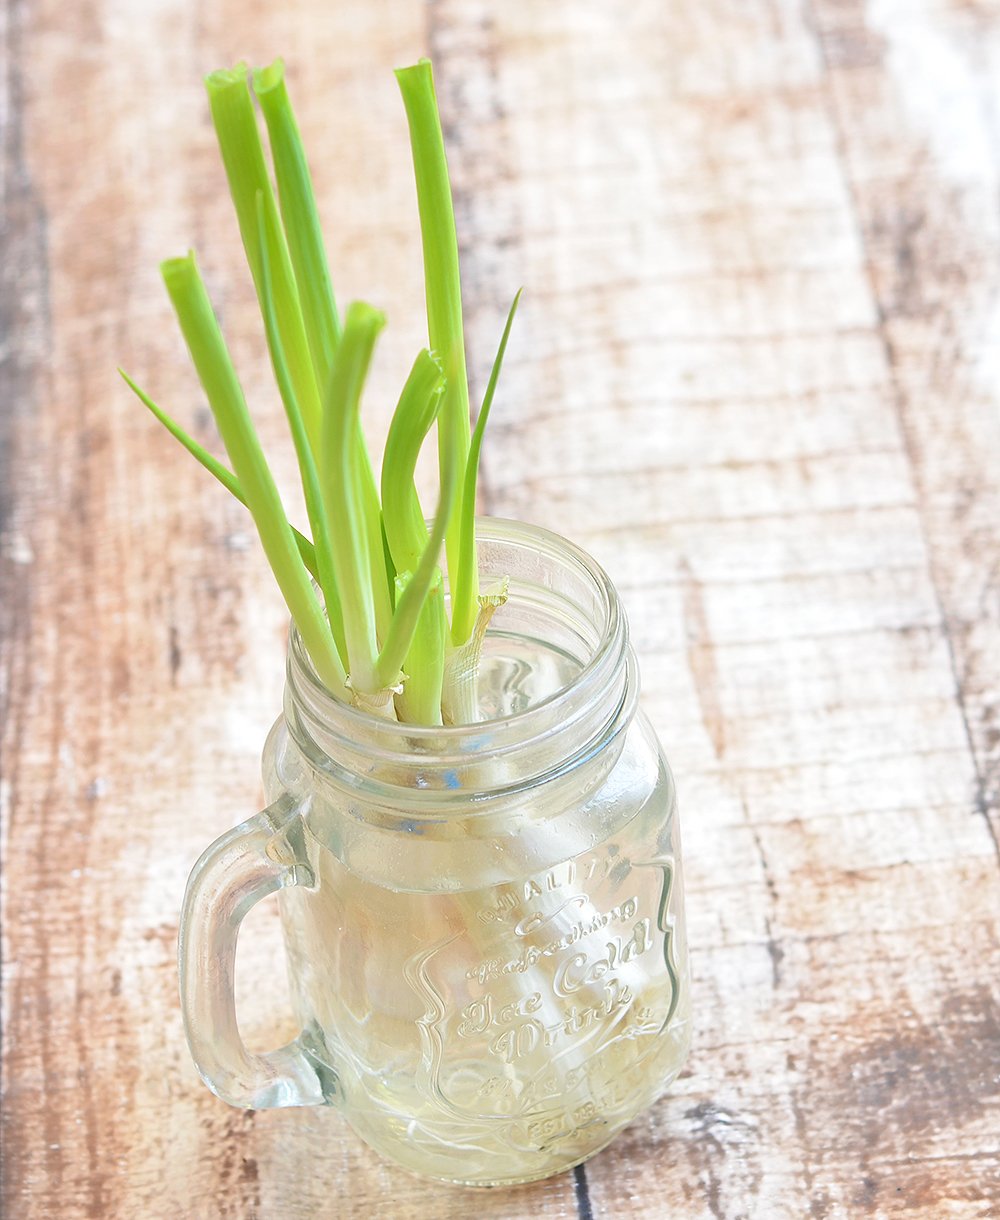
756 373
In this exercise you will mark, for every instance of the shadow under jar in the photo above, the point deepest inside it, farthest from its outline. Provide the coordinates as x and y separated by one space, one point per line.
484 923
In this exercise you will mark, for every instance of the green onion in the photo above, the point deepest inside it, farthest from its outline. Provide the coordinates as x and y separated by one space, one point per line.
225 397
420 700
404 620
301 270
442 284
463 602
243 157
298 212
366 491
386 635
341 479
407 537
415 412
307 462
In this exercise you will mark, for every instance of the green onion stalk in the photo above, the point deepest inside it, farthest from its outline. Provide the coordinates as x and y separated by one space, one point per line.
366 589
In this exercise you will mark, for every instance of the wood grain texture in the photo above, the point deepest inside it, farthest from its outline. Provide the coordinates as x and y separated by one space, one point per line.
756 372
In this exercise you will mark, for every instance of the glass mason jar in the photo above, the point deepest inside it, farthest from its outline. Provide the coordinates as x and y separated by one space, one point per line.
484 923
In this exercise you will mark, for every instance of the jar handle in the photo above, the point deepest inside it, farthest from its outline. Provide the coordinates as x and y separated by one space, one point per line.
237 871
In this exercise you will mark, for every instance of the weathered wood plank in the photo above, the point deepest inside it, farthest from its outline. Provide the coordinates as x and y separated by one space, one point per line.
720 423
142 684
919 80
752 373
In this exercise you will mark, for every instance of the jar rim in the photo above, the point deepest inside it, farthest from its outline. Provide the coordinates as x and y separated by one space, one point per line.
444 739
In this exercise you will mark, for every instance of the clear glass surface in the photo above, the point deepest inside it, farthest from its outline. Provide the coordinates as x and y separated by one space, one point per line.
484 923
